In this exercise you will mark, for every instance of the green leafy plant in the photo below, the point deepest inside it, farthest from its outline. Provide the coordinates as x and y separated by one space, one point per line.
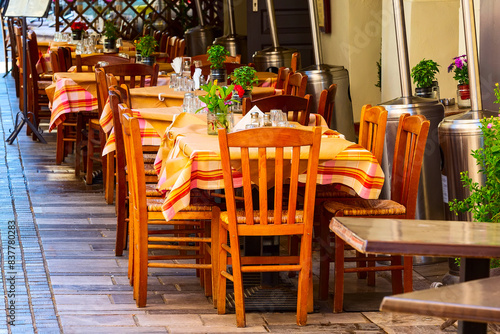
424 73
217 55
484 201
245 76
460 67
146 45
110 31
217 99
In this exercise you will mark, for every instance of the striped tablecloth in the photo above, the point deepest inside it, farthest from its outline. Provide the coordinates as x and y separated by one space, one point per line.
189 158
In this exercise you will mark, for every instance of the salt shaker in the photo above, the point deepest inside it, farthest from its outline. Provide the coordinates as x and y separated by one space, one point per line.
254 119
267 121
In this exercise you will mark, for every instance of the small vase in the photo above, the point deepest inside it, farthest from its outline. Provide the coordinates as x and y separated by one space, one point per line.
76 35
236 107
463 96
148 61
217 120
220 75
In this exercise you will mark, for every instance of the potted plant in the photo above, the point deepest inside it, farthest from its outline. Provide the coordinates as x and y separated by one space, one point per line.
110 35
77 30
216 56
424 75
244 77
217 105
484 200
146 46
460 68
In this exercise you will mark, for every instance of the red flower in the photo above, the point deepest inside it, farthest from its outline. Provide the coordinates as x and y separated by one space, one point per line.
228 97
240 90
79 26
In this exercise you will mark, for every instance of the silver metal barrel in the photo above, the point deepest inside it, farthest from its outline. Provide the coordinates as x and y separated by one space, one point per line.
235 44
429 201
320 77
199 38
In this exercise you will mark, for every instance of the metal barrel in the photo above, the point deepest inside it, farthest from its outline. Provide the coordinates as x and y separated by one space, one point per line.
320 77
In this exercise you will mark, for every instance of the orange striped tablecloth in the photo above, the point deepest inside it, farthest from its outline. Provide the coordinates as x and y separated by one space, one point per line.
189 158
152 122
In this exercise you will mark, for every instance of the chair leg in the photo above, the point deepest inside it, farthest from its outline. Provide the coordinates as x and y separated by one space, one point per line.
60 144
78 143
205 273
361 264
371 275
408 273
141 263
324 266
221 280
237 282
214 254
305 278
121 212
338 298
110 178
90 155
396 275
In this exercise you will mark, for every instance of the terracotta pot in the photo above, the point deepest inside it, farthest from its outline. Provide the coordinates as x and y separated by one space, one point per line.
464 92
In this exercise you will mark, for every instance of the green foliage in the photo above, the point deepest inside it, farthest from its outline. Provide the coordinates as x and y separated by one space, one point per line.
218 98
110 31
484 201
245 76
146 45
424 73
217 55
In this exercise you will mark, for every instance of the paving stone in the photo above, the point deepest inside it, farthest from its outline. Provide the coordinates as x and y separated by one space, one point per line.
97 320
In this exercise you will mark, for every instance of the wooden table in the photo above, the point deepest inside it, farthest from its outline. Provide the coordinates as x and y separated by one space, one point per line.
475 242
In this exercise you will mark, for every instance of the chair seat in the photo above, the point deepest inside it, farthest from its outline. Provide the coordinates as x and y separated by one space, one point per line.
241 218
154 205
46 76
151 190
95 121
149 158
365 207
44 84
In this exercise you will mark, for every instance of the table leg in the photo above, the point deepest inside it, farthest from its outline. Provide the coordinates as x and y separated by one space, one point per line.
471 269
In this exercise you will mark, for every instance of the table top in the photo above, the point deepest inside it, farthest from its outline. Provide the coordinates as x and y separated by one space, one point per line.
477 300
419 237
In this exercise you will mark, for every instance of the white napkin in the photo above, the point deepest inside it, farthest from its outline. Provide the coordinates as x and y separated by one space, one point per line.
196 78
247 119
177 65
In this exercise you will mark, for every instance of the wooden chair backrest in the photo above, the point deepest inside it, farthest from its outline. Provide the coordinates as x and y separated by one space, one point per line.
253 146
54 61
65 60
90 61
128 73
12 36
327 102
408 155
283 75
102 88
295 65
18 32
299 106
116 97
180 47
163 42
229 59
171 46
296 84
372 130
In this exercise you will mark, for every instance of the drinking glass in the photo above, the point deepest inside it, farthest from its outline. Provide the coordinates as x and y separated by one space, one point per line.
282 119
173 81
275 115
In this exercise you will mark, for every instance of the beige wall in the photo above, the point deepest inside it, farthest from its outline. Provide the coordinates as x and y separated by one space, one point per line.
433 33
355 44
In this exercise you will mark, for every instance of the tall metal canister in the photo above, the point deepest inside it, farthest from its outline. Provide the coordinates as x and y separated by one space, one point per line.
429 200
199 38
458 136
320 76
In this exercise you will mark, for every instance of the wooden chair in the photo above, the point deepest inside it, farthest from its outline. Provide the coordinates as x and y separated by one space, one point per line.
264 222
296 84
7 46
171 44
283 75
408 154
14 53
65 60
196 224
128 74
204 59
90 61
163 42
117 161
295 65
180 47
327 102
300 107
38 100
371 137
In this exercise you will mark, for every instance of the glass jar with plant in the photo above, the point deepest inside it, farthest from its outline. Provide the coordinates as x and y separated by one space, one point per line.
217 105
244 77
424 76
146 46
110 35
460 67
484 199
216 56
77 30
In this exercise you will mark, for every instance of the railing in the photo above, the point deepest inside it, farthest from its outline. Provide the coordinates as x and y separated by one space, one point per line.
133 16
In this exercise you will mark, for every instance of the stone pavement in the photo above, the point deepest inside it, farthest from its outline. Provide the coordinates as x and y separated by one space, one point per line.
67 279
